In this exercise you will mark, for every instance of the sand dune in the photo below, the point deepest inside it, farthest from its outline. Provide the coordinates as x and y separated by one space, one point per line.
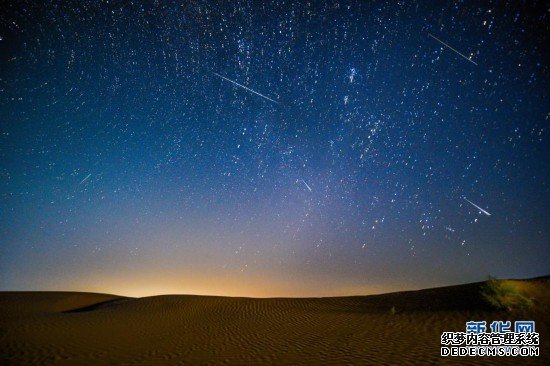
96 329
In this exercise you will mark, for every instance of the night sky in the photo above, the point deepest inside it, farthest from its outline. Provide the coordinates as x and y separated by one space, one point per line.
277 148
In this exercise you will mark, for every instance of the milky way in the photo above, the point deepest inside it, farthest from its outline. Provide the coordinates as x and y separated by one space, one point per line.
272 148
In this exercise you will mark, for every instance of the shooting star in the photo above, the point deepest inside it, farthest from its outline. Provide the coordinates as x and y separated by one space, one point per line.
244 87
85 179
476 206
449 47
308 187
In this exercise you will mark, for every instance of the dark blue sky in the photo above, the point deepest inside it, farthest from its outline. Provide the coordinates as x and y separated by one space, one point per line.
128 165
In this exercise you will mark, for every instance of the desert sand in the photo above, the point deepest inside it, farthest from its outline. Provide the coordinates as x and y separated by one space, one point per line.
72 328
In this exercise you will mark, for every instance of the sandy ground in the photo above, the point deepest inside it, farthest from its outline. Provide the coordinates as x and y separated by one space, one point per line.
94 329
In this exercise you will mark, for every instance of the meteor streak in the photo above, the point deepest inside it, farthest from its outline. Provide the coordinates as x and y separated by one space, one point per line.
449 47
85 179
244 87
308 187
476 206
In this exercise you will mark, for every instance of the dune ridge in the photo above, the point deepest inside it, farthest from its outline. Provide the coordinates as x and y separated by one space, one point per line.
89 329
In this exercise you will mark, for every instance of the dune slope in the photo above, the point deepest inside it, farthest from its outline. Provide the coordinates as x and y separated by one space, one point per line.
90 329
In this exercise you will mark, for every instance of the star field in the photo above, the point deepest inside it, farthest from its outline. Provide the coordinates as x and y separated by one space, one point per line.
286 148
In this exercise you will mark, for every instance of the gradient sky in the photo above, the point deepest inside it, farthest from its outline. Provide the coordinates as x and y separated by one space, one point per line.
130 164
